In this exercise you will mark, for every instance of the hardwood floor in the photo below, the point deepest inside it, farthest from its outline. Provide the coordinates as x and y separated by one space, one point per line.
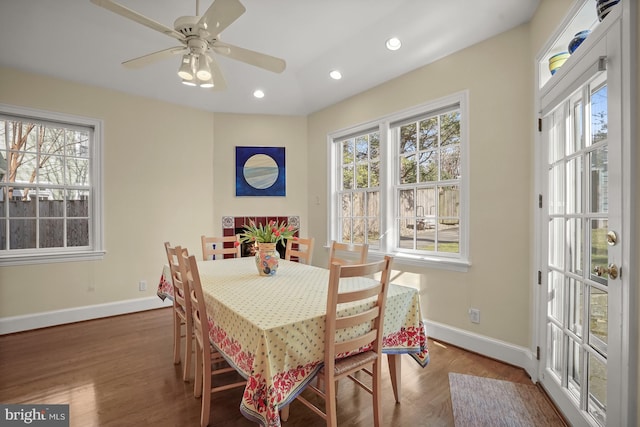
119 372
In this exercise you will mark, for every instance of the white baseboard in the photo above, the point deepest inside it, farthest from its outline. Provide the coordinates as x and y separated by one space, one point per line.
486 346
10 325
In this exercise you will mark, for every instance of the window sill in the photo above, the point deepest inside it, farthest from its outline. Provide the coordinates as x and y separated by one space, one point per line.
410 260
46 258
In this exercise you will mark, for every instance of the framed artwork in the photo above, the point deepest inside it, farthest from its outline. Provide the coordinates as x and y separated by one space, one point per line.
260 171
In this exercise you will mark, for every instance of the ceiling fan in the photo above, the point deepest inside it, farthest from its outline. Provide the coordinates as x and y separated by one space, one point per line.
199 36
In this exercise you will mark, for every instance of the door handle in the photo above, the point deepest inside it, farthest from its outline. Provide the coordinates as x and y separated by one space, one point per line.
612 271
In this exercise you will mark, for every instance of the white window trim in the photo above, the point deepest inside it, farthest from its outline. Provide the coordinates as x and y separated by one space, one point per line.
459 263
96 252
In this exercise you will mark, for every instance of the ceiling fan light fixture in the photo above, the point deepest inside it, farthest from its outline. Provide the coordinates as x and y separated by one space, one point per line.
186 67
258 93
207 84
204 71
188 82
335 75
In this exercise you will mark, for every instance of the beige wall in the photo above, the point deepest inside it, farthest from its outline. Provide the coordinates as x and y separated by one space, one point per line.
155 154
501 129
233 130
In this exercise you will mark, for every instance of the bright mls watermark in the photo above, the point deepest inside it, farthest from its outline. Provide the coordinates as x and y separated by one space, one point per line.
34 415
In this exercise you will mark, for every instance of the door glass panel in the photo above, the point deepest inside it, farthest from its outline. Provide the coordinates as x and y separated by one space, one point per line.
576 246
554 350
556 295
597 404
599 180
575 306
576 142
556 189
598 319
599 250
574 185
575 368
599 118
556 242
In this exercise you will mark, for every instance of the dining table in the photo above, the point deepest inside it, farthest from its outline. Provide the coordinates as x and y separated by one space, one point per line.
271 328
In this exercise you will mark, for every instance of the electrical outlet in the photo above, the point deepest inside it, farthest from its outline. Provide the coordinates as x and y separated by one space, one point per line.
142 285
474 315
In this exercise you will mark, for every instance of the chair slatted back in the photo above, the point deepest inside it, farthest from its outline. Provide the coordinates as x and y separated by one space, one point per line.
300 248
214 247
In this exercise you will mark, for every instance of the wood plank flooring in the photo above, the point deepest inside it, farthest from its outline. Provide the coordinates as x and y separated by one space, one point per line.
119 372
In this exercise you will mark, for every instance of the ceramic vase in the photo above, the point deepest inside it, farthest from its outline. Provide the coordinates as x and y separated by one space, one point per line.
577 40
267 258
556 61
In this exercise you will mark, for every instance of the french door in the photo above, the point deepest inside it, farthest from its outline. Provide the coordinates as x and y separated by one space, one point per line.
581 242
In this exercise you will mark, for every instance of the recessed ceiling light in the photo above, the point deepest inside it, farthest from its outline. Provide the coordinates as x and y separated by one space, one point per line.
335 75
393 43
258 93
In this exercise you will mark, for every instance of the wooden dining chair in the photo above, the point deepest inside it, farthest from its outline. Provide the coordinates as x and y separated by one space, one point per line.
209 362
181 309
214 247
336 346
348 253
303 251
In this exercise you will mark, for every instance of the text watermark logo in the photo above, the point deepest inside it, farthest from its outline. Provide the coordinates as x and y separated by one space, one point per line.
34 415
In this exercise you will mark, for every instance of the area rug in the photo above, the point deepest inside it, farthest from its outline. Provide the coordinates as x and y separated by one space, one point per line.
479 401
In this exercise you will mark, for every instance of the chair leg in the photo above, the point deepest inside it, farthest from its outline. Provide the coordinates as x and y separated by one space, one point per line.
377 396
176 338
188 341
197 386
331 403
206 394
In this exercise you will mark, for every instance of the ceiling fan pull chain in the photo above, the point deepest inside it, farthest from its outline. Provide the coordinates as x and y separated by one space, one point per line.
197 7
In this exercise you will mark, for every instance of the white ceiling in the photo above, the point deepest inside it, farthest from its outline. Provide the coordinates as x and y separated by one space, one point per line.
78 41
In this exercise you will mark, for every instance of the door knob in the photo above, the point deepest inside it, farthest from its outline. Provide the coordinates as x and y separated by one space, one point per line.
612 271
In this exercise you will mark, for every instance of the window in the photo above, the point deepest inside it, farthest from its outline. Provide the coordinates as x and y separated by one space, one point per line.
399 184
50 181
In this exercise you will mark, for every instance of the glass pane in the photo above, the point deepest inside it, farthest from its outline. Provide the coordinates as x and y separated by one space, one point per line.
428 166
556 242
599 248
554 350
429 133
358 230
450 163
22 233
346 230
577 141
448 236
425 202
77 203
78 171
77 143
373 233
556 295
362 149
347 152
53 141
576 306
408 138
52 170
406 229
598 189
426 240
406 204
598 319
374 174
358 204
408 168
576 248
556 189
374 146
52 233
26 166
599 118
77 232
373 204
53 207
363 175
574 368
346 205
597 402
347 177
556 136
3 233
449 201
574 185
450 128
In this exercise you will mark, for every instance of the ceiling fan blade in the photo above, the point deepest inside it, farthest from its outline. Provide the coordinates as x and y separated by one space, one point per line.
220 15
135 16
153 57
219 82
251 57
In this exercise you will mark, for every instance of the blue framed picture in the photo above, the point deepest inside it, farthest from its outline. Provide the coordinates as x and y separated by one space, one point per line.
260 171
